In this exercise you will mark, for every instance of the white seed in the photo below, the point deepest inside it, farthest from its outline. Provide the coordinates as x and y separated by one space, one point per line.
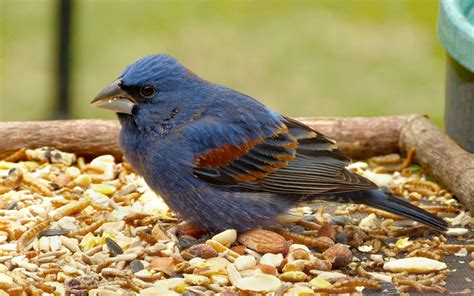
38 211
69 223
129 188
112 226
43 244
358 165
233 274
73 172
5 258
274 260
298 246
71 270
244 262
293 276
382 180
457 231
26 265
258 283
195 261
97 197
461 253
296 265
124 257
82 180
253 253
227 237
414 265
328 275
104 292
55 243
5 280
195 279
365 248
319 283
163 287
107 164
376 257
220 279
369 222
71 243
381 277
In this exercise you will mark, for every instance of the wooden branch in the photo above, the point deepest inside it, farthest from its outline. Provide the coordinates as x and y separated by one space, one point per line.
362 137
445 160
84 137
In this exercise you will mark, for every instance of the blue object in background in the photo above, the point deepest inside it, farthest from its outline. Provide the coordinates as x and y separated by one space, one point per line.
456 31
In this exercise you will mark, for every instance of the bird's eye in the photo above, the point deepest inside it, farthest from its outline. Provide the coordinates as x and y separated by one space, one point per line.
147 91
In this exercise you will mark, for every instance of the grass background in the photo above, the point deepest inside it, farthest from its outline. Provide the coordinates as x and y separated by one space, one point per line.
301 58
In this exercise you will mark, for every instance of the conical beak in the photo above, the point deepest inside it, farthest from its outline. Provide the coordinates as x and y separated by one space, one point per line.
114 98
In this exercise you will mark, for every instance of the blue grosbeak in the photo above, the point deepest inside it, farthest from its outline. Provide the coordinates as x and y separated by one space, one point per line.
223 160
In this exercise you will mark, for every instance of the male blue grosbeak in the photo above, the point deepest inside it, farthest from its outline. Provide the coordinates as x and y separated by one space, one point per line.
223 160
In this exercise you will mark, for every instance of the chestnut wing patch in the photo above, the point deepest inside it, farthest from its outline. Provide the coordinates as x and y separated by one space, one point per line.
254 160
294 160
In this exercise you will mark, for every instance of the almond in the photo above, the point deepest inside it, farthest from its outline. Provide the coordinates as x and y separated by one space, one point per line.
191 230
240 249
264 241
328 231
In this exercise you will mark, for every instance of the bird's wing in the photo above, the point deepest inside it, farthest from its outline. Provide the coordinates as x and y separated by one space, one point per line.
294 160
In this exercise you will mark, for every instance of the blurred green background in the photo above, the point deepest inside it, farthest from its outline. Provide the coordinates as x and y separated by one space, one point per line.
301 58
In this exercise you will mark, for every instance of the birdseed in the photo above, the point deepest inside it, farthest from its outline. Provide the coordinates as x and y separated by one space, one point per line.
72 227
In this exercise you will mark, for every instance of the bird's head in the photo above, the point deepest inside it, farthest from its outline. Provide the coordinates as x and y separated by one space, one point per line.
150 88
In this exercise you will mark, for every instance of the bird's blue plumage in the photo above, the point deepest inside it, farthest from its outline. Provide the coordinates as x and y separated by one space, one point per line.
223 160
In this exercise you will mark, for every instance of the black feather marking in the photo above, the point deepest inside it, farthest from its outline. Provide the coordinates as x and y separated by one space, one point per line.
260 157
384 201
273 151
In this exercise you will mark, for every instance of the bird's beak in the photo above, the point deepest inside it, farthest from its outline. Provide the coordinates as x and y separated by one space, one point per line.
114 98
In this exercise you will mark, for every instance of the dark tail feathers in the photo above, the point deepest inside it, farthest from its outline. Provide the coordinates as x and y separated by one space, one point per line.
385 201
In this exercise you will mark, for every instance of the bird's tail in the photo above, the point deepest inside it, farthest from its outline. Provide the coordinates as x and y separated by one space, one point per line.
385 201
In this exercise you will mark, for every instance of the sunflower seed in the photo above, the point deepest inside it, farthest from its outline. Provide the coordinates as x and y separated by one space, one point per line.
53 232
114 248
136 265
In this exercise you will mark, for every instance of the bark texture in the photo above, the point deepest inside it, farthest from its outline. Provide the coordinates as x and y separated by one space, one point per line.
362 137
445 160
85 137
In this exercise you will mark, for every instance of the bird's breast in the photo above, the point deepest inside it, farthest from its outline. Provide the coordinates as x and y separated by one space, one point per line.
162 161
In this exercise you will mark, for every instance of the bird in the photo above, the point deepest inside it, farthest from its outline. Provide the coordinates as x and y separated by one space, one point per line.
222 160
